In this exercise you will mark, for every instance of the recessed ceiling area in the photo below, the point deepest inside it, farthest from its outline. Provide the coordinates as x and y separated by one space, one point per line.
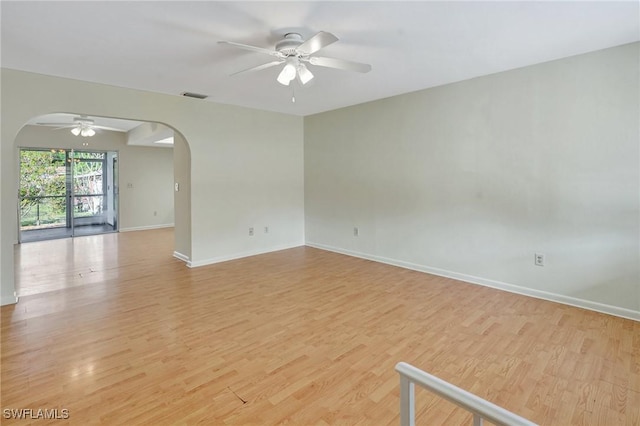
172 47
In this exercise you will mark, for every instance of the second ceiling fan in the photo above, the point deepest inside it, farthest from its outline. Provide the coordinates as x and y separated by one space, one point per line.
80 126
295 53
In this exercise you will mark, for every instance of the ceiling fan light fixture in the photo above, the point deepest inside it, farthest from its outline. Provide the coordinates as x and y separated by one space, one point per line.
292 50
287 74
304 74
83 130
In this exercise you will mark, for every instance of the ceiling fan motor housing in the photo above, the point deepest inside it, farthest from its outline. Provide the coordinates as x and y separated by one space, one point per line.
289 44
83 121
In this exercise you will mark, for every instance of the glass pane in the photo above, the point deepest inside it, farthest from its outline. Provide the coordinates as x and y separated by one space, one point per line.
42 189
87 177
89 155
42 173
88 188
88 205
43 212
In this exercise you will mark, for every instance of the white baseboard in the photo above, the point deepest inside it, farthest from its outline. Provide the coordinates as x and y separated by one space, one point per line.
182 257
10 300
146 228
204 262
539 294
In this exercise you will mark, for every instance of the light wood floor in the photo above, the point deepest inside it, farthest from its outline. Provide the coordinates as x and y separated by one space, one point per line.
117 331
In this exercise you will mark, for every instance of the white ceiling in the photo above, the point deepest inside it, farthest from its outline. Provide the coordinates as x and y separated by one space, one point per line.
171 47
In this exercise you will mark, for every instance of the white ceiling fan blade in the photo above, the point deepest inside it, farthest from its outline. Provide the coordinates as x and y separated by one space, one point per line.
60 125
113 129
253 48
259 67
339 64
317 42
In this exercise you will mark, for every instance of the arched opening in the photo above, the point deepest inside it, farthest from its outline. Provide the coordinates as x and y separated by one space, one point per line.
244 167
143 176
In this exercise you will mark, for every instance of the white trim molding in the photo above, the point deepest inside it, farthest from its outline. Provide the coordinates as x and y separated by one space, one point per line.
146 228
11 300
182 257
204 262
538 294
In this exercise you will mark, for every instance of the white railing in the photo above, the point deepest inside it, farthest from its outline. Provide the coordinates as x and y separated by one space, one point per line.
480 408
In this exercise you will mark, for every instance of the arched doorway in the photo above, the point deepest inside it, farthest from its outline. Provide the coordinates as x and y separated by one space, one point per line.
140 167
74 169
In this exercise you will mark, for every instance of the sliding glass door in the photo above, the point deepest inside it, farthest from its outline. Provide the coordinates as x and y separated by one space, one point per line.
66 193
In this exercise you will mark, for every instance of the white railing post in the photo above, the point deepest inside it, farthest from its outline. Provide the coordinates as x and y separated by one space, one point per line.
480 408
407 402
477 420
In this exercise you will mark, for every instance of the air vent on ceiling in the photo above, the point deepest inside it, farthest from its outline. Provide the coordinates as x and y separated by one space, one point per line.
194 95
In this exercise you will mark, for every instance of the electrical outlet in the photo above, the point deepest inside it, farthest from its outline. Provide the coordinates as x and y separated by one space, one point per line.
356 232
251 231
539 259
266 229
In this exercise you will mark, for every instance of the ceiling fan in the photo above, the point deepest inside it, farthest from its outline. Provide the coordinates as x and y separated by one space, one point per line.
295 53
81 126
